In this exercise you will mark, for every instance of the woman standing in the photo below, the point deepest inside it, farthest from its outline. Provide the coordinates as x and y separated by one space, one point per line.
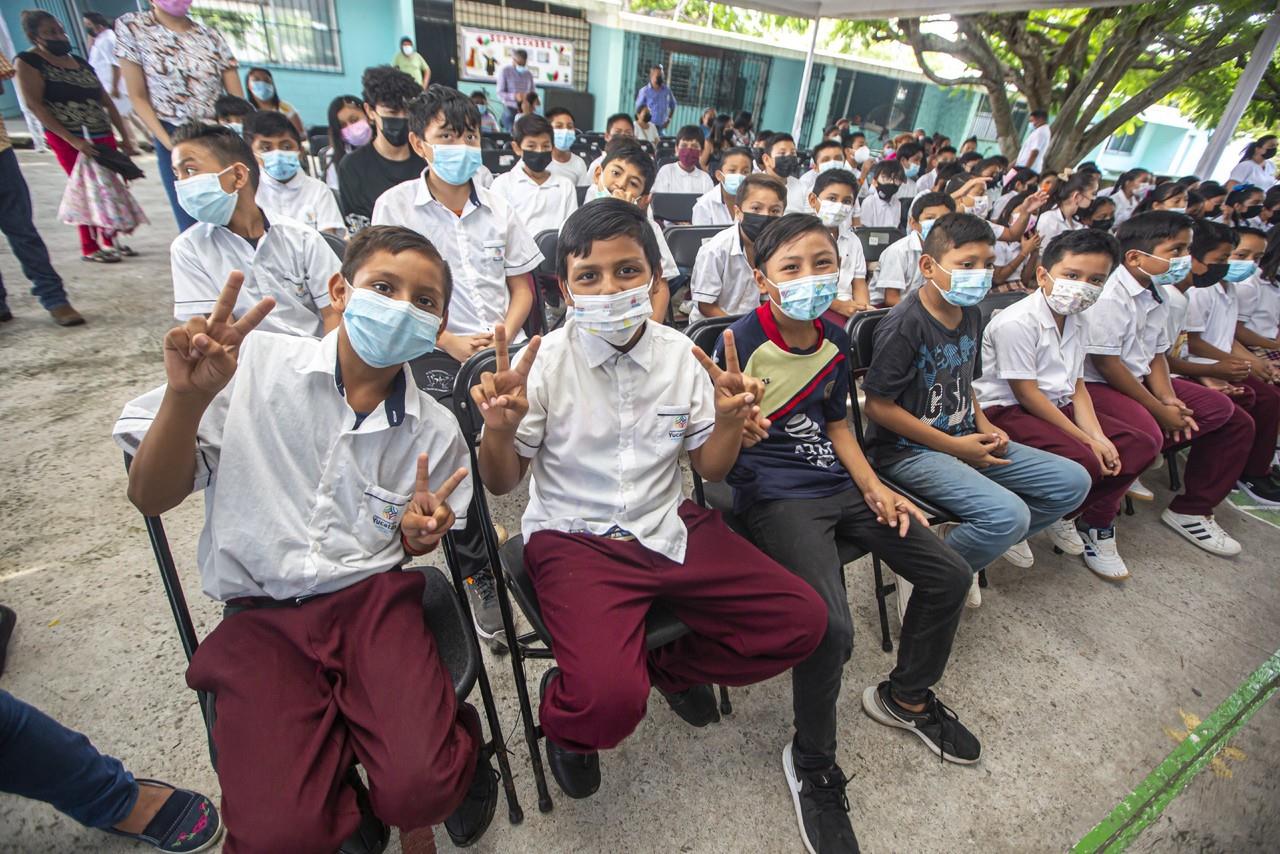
1255 167
175 70
264 96
66 95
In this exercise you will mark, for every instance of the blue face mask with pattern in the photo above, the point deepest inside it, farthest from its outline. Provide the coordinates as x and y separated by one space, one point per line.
806 298
1178 269
281 165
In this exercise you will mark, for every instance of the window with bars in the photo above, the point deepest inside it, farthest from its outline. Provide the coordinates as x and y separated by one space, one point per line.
534 18
1123 143
286 33
700 76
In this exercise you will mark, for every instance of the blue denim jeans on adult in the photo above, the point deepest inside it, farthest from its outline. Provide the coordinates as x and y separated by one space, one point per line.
999 505
165 164
27 245
43 760
508 118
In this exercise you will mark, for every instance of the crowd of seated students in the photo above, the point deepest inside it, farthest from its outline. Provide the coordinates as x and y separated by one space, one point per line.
302 396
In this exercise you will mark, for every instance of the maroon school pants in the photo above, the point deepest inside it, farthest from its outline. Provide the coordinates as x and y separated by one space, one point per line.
1262 402
302 692
1137 448
1219 448
750 619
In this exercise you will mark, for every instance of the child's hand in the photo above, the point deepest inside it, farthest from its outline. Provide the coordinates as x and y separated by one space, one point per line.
1175 420
736 393
1030 242
1035 201
1231 370
755 430
501 394
200 355
428 517
1002 440
979 449
463 347
892 509
1108 456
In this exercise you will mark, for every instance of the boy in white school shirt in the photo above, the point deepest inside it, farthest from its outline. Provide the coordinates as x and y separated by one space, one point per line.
283 189
1258 295
882 208
610 405
834 199
723 279
899 271
542 200
685 175
781 160
324 469
217 177
719 205
619 125
563 135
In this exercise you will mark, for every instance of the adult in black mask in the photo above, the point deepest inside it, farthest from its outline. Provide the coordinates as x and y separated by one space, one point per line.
368 171
656 95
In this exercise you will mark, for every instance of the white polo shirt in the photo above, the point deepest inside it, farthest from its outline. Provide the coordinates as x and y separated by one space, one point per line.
1176 319
1052 223
1128 321
1006 251
899 268
853 263
722 276
1022 342
483 247
670 269
291 263
590 177
540 206
1261 175
1124 205
924 184
1213 312
673 179
575 169
302 198
710 209
604 433
878 213
1259 306
798 196
298 499
1038 141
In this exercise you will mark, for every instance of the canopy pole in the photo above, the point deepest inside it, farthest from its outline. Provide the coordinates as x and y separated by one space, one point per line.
804 86
1246 86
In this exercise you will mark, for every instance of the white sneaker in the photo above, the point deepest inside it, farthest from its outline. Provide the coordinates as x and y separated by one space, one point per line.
1065 537
1204 531
974 599
1019 554
902 595
1139 492
1100 554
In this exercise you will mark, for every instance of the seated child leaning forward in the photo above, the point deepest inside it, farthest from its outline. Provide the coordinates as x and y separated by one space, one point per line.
601 420
324 470
801 482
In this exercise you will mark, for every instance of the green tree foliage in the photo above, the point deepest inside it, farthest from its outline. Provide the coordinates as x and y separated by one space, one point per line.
1204 98
718 16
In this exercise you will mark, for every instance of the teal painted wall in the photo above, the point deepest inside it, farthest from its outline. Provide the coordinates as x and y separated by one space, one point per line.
604 76
1157 149
946 112
781 95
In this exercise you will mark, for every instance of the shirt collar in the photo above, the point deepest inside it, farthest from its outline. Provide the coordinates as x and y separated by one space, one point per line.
424 196
769 323
915 242
735 245
398 403
598 351
1135 288
1043 314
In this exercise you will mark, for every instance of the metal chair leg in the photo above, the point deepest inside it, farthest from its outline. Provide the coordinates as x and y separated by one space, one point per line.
1128 505
1175 478
982 578
882 590
726 707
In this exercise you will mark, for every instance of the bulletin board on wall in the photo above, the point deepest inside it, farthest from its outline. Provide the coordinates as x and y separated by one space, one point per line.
527 19
483 52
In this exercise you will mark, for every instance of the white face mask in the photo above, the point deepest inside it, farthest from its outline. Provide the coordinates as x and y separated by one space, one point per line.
833 213
1072 296
407 49
613 317
981 205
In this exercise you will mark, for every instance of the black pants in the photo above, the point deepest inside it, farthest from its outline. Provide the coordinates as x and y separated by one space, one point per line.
801 535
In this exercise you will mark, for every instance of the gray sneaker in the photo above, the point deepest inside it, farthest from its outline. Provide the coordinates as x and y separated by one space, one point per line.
482 595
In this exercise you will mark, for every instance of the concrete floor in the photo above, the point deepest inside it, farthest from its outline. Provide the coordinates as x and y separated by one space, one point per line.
1069 682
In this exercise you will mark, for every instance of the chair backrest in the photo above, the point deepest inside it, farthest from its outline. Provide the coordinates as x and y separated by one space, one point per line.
997 302
337 244
582 193
499 161
673 207
324 157
663 160
647 146
469 418
546 241
706 333
875 239
862 330
684 241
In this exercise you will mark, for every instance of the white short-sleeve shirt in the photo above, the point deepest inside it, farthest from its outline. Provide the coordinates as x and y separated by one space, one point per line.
1130 321
853 263
1022 342
670 269
721 276
876 212
298 499
1213 312
590 178
1006 251
1038 141
604 434
483 247
1176 319
1259 306
798 196
1261 175
899 268
291 263
302 198
672 178
710 209
1052 223
575 169
540 206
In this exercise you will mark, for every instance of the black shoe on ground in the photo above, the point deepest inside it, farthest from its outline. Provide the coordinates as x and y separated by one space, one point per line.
8 619
1263 491
473 816
937 726
577 774
696 706
822 807
5 314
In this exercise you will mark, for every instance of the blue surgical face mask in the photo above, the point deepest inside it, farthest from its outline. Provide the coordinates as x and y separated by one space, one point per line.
968 287
203 198
806 298
828 165
238 127
925 225
1238 270
912 170
455 164
1178 269
564 138
281 165
385 331
263 90
732 182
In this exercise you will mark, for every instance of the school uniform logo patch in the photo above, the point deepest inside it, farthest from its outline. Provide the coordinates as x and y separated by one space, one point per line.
678 425
388 519
679 422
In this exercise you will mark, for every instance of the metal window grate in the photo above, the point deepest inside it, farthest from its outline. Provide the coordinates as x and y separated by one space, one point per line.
535 18
286 33
699 76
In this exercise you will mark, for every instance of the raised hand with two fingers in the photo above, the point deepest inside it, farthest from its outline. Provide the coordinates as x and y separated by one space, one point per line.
200 356
428 517
502 393
737 395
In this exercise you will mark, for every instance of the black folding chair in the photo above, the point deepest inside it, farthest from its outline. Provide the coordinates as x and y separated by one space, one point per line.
582 193
906 212
675 208
495 139
336 243
554 309
994 302
661 625
664 159
498 161
684 241
446 612
875 239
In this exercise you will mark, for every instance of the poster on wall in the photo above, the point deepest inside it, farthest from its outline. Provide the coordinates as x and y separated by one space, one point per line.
483 52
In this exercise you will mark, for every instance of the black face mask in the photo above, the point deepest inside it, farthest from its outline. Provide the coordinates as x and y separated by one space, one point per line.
537 161
787 165
754 223
1104 224
1209 277
1252 211
1211 213
58 47
1268 153
658 83
395 130
887 191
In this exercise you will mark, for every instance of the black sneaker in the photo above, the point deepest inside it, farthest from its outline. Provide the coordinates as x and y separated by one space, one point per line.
822 807
472 817
577 774
696 706
482 595
1263 491
937 726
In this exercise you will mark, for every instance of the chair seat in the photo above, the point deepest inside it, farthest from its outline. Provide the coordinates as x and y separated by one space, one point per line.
661 626
443 614
720 497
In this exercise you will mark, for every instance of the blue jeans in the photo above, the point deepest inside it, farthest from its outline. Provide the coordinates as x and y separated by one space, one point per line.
28 247
508 118
43 760
165 164
999 505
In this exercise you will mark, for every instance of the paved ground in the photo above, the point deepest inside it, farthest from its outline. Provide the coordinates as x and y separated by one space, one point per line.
1070 682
